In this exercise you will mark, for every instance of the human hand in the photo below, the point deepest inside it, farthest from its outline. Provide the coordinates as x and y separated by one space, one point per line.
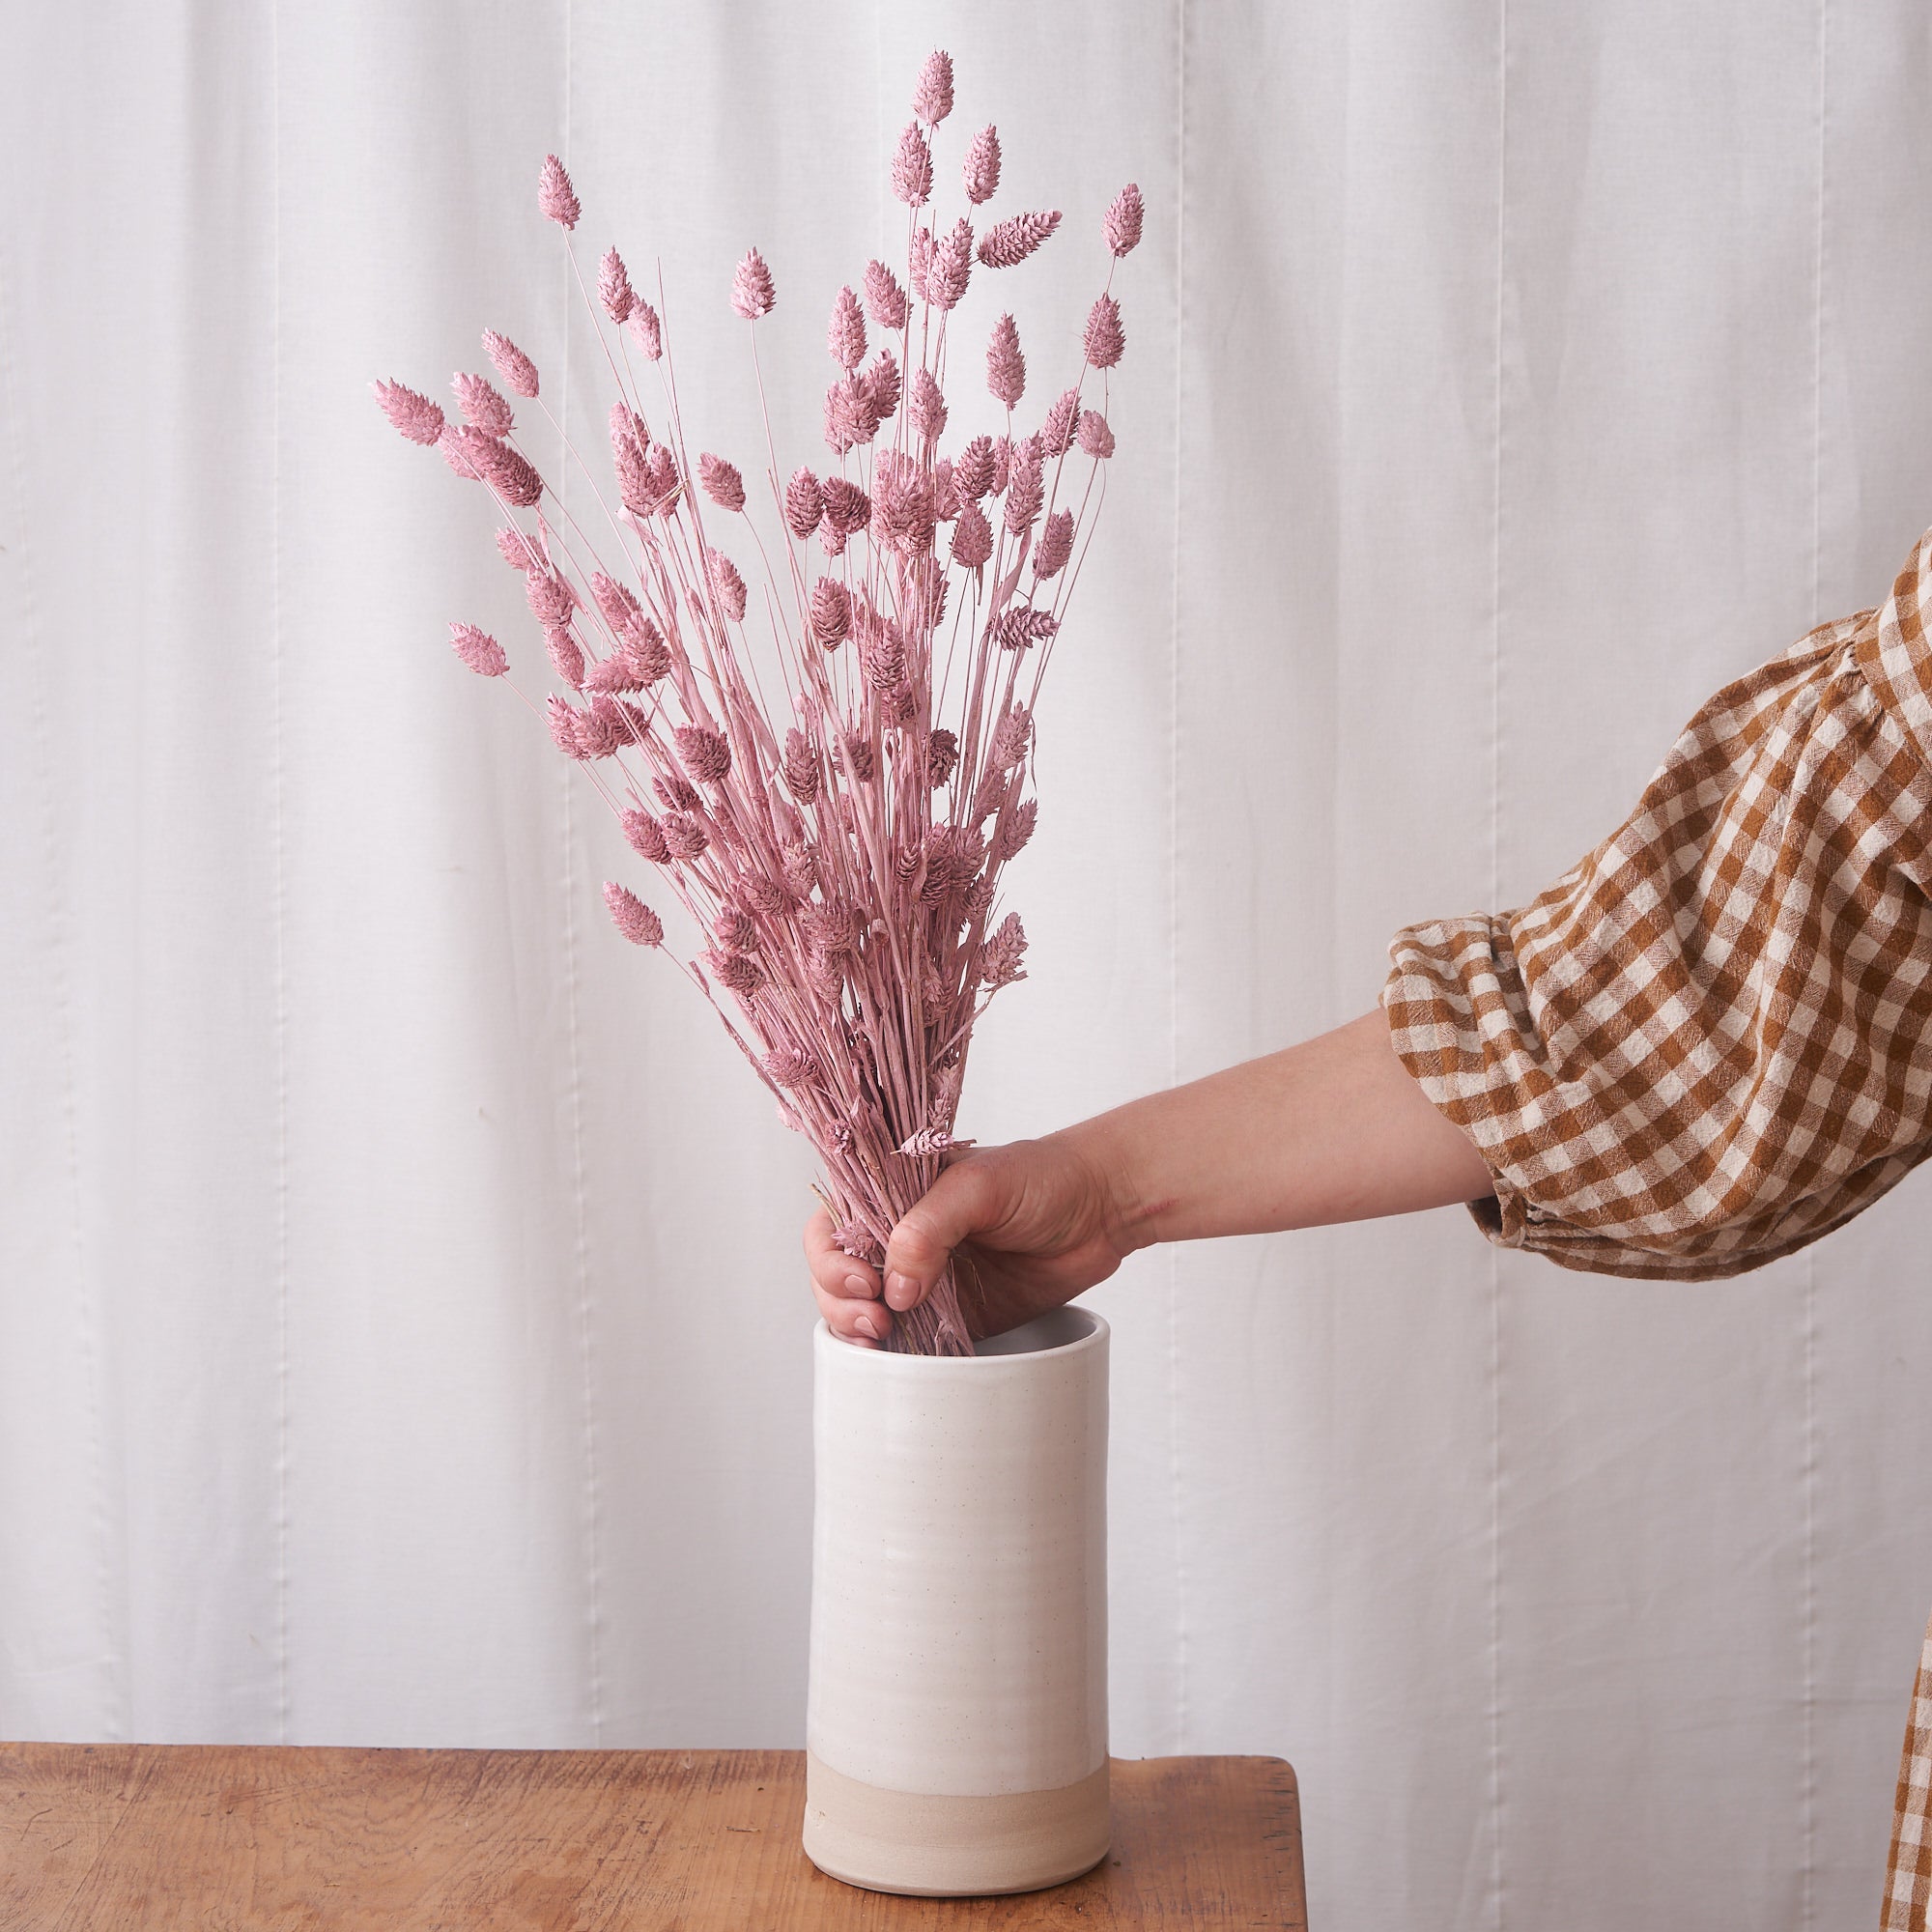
1027 1227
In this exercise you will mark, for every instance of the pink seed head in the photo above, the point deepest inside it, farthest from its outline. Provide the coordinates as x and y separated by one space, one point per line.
1014 834
1056 544
983 166
830 611
613 287
912 167
415 415
478 649
703 754
1000 958
554 195
517 550
972 473
845 333
1106 340
722 481
516 368
882 384
971 538
646 837
647 331
634 918
1005 366
483 406
566 655
952 264
928 409
552 600
684 836
942 756
885 300
804 504
1056 433
752 292
791 1066
932 97
1024 488
1096 440
1009 242
852 415
725 583
1123 220
847 507
735 929
800 767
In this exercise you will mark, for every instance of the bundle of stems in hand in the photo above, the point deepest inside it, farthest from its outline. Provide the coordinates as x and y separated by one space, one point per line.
840 858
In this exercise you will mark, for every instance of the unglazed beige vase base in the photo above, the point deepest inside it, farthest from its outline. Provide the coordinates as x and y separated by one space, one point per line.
930 1847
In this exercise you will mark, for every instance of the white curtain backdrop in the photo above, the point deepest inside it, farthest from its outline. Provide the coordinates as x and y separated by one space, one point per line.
403 1337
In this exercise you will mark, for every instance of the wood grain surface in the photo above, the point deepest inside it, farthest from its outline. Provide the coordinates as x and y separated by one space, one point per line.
246 1838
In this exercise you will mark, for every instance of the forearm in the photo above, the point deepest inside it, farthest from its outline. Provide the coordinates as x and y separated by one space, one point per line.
1333 1129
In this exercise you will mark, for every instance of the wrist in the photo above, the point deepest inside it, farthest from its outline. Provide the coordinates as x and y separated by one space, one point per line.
1108 1151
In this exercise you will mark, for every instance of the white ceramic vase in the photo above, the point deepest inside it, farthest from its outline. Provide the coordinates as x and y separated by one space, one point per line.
956 1731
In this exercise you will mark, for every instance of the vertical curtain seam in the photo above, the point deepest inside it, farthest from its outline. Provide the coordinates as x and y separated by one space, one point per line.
284 1672
114 1713
586 1308
1180 1660
1495 1686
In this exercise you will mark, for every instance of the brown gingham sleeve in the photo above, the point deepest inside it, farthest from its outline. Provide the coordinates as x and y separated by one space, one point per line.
1711 1042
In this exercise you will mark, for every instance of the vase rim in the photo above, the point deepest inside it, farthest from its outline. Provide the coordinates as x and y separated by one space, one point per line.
1093 1333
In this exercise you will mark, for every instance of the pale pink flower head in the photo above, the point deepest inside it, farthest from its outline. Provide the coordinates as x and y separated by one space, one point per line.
554 195
800 767
971 538
633 918
735 929
942 756
972 473
851 413
478 649
1012 837
885 300
552 600
505 470
613 287
1056 433
932 97
752 292
561 717
902 513
483 406
1011 738
882 382
927 408
518 549
1020 629
663 482
1106 340
912 167
727 583
1025 488
830 611
415 415
1009 242
791 1066
647 331
684 836
1056 544
804 504
1000 960
516 368
983 166
930 1141
845 335
1123 220
645 835
847 507
723 483
1095 437
919 259
743 975
1005 366
703 754
952 264
566 655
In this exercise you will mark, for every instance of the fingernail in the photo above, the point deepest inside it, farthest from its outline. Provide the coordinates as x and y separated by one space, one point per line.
857 1286
864 1326
902 1291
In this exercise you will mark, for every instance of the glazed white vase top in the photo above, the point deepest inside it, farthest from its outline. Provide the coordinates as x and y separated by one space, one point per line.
957 1725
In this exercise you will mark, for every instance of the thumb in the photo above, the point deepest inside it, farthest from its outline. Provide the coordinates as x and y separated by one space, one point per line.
961 1202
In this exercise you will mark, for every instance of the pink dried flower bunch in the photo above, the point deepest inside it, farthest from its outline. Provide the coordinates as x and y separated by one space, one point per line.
840 861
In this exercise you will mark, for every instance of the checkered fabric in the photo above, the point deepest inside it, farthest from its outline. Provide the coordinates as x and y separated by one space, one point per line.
1711 1042
1908 1879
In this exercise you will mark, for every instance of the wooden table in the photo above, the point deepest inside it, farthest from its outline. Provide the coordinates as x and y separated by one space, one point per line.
245 1838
